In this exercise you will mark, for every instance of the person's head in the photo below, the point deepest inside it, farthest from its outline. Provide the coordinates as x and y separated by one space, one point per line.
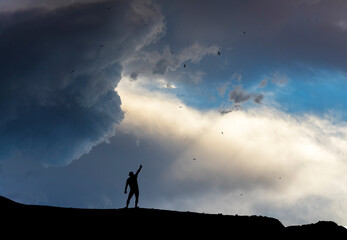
131 174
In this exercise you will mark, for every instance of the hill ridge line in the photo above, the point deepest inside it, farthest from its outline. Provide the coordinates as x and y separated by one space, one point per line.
152 222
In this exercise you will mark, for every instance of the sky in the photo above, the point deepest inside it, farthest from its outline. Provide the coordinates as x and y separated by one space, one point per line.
233 107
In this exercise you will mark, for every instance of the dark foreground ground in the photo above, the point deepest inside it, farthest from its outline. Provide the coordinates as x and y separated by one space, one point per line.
19 220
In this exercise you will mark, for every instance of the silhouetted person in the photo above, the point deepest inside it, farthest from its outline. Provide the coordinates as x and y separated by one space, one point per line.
134 187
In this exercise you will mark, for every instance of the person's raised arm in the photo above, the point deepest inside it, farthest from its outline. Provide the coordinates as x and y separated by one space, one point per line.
138 170
126 186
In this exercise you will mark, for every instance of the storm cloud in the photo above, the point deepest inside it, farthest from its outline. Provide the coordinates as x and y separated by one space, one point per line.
59 69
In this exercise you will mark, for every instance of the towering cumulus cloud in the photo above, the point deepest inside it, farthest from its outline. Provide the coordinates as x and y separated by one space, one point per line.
59 69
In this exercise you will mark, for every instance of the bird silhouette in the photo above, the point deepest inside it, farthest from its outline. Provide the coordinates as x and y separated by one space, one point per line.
184 66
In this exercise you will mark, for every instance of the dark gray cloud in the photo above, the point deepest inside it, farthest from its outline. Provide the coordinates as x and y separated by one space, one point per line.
258 98
59 69
134 75
238 95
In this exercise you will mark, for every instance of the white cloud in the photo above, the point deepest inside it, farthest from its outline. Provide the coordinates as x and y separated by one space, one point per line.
259 161
165 84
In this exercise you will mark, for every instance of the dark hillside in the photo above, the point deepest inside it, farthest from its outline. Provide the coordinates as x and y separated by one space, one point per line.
46 222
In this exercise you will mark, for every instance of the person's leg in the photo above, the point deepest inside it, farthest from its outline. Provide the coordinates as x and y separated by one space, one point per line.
136 198
131 193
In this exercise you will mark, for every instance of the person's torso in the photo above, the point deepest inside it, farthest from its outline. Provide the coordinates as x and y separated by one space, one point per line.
132 181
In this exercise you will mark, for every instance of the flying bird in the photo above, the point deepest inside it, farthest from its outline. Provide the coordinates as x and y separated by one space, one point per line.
218 53
184 66
244 33
101 45
194 158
